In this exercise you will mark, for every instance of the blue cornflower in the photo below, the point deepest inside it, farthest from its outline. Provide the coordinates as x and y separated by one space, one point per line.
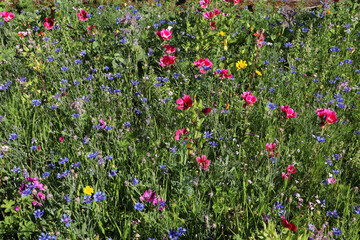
16 170
278 205
99 196
76 115
46 39
139 206
36 102
64 68
289 44
181 231
135 181
45 174
304 29
93 155
320 139
273 160
127 124
272 106
335 171
208 134
66 219
87 199
337 156
33 148
76 165
67 198
357 209
336 231
113 173
213 144
348 61
77 61
174 149
63 160
332 214
328 161
13 136
334 49
311 227
46 236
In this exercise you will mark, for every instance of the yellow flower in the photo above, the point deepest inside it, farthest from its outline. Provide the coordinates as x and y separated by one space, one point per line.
117 31
258 73
221 33
241 64
88 190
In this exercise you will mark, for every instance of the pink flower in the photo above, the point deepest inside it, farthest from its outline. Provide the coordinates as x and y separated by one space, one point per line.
169 49
148 196
331 117
213 25
91 29
49 23
290 113
7 15
223 73
82 15
17 208
206 111
285 108
291 169
181 132
331 180
204 3
203 162
167 61
103 123
184 103
208 15
271 147
285 176
321 112
237 1
250 100
61 139
216 11
245 94
164 34
203 64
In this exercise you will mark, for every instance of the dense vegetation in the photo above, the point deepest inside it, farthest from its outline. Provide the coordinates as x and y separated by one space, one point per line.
205 121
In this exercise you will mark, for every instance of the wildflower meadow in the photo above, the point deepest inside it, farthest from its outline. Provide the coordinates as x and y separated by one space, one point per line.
160 119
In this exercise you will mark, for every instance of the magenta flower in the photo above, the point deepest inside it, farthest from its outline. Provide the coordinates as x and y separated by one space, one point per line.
167 61
164 34
285 176
49 23
61 139
184 103
271 147
290 113
203 162
181 132
291 169
208 15
148 196
82 15
331 180
7 15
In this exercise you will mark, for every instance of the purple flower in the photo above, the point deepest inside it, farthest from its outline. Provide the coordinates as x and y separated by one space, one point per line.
66 220
99 196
